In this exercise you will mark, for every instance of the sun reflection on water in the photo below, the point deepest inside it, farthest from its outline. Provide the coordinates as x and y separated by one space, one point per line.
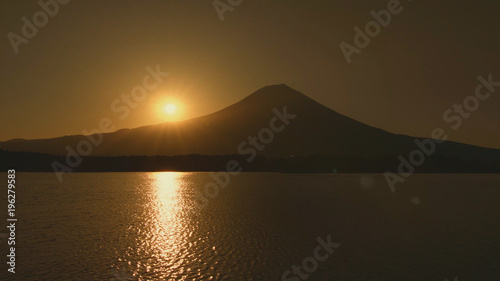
167 187
162 236
169 229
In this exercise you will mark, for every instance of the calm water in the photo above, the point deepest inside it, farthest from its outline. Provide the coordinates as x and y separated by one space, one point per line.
147 226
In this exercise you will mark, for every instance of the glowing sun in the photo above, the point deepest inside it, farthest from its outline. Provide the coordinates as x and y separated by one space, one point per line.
170 108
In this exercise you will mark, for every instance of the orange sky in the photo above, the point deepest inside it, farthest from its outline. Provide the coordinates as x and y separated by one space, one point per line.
93 52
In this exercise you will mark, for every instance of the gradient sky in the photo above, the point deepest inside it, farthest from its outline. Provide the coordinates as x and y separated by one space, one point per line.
428 58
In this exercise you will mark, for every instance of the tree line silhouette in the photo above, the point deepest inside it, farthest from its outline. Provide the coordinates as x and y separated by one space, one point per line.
39 162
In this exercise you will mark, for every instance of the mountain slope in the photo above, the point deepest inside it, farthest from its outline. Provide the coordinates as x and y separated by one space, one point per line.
316 130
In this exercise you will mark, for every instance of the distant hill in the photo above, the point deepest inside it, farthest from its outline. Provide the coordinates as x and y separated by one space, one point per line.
315 131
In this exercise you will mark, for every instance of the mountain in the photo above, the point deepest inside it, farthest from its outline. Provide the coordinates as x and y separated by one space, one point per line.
312 129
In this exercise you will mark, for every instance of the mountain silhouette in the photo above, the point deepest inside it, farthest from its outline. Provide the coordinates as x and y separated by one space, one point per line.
315 130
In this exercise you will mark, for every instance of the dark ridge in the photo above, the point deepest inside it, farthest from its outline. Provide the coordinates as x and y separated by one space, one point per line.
313 130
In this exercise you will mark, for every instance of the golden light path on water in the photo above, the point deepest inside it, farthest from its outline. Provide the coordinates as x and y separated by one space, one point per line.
169 228
163 236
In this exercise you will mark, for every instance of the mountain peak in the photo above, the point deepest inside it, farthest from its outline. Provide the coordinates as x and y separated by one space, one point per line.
277 88
279 93
311 130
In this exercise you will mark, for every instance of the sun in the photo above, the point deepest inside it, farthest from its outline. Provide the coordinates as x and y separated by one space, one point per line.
170 108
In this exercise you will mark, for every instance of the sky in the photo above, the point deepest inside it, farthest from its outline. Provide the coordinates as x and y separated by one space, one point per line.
426 59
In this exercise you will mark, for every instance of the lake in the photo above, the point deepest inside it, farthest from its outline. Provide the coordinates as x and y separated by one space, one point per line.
150 226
